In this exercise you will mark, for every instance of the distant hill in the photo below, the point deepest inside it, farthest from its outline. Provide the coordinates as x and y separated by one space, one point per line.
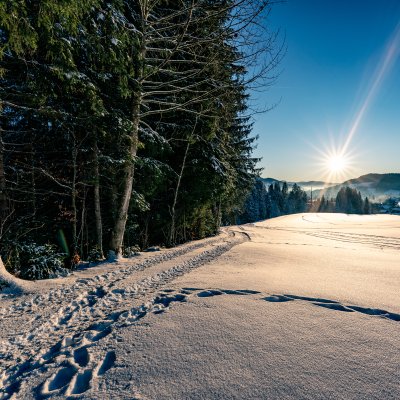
306 185
375 186
269 181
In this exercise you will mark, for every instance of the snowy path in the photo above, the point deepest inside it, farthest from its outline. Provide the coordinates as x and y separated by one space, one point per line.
298 307
62 324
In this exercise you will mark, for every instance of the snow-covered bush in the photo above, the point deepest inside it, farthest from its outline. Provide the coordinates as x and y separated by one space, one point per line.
131 251
95 254
2 285
34 261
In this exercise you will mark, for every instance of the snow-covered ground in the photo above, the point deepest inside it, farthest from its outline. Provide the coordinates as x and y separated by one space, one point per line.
298 307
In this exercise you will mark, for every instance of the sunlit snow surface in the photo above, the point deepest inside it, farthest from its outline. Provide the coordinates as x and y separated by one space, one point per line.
298 307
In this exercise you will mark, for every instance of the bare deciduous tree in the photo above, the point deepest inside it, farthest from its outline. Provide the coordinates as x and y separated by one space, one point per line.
175 57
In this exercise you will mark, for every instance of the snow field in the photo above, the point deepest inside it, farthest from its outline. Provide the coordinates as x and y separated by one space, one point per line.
297 307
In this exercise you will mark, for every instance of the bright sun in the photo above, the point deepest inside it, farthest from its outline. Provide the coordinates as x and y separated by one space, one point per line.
336 163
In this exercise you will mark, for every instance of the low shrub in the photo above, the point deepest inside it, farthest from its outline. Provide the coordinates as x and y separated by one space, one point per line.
131 251
95 255
34 261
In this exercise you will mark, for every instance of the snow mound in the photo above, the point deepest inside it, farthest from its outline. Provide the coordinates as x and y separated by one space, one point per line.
12 284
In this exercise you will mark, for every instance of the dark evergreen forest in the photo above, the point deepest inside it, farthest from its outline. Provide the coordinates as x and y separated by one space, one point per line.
277 199
125 124
274 201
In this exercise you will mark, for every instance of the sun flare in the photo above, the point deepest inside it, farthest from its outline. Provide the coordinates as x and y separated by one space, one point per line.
336 163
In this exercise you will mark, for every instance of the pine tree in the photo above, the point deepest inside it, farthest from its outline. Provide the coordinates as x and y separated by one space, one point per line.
322 204
348 200
367 207
110 109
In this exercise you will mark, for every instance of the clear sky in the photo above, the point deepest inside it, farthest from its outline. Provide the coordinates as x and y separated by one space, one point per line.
340 78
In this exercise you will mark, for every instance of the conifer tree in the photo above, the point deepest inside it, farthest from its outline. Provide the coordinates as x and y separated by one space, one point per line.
109 109
367 207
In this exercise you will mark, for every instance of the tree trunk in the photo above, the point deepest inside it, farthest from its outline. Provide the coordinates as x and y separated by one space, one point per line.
73 199
218 215
33 181
171 239
172 235
117 235
3 198
81 234
97 205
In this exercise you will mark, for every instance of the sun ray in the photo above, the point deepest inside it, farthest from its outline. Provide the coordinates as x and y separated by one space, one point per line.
388 58
335 159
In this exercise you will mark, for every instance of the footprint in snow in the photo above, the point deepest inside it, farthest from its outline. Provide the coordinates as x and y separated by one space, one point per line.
81 356
60 379
277 298
75 377
334 305
80 383
216 292
106 364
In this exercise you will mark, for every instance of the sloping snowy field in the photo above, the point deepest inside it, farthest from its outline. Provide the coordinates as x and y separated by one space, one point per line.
305 306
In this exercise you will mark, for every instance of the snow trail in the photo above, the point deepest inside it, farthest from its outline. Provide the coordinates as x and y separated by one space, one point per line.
68 322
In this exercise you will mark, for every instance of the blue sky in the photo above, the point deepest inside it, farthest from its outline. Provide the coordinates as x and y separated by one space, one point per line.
335 50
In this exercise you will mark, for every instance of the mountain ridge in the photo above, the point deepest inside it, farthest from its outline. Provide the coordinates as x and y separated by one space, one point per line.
373 185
